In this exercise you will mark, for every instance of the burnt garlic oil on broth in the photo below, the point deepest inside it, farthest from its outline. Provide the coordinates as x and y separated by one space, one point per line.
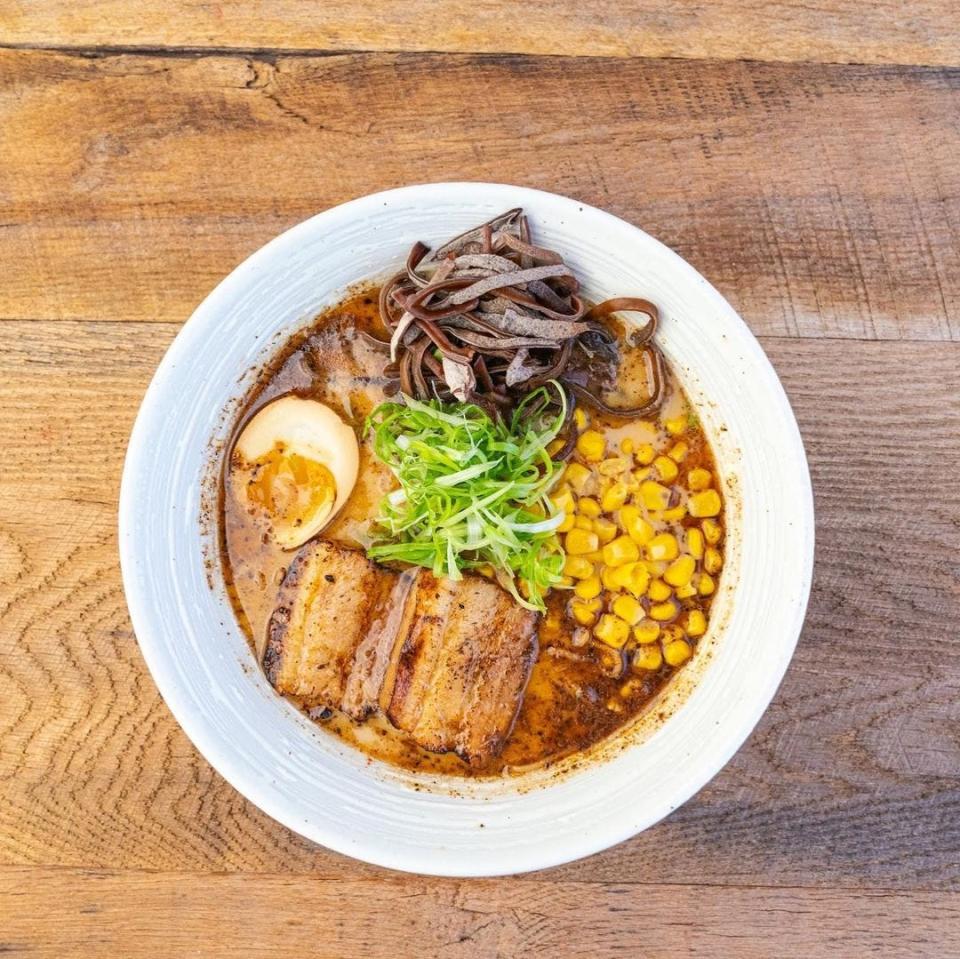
485 608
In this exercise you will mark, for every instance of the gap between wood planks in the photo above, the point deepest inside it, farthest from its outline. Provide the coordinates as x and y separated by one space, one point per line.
369 874
885 31
270 54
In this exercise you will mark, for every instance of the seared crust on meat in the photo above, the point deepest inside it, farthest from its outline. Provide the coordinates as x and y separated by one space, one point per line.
446 661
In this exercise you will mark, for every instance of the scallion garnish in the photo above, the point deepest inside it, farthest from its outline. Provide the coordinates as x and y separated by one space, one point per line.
473 490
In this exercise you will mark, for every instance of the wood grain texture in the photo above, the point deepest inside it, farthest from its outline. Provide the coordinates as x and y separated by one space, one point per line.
823 201
885 31
179 915
851 780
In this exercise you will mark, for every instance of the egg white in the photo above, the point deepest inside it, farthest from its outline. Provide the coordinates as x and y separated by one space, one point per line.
315 432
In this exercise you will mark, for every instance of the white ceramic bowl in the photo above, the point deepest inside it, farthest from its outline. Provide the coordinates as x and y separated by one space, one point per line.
312 782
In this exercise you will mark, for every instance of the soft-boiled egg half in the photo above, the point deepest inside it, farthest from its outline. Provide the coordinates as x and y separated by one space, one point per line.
296 463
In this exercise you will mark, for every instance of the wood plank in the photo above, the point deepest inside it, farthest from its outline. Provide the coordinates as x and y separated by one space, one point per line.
136 915
852 778
823 201
886 31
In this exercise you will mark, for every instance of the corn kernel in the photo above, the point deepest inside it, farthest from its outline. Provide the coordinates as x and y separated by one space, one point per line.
580 478
585 612
591 445
646 631
626 446
644 454
639 476
670 634
614 497
648 657
658 591
685 592
654 496
706 503
569 521
580 418
666 469
582 522
674 514
712 561
588 588
712 531
655 567
612 630
680 571
678 452
635 526
581 541
588 506
620 551
677 652
663 546
578 567
606 529
706 585
613 466
676 425
696 624
595 557
565 582
663 611
615 577
563 500
695 542
638 579
628 609
699 479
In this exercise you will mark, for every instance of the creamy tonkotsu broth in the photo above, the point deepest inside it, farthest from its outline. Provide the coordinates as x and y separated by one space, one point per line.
643 530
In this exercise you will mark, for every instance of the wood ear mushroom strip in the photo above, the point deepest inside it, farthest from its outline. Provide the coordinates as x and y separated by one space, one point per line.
489 315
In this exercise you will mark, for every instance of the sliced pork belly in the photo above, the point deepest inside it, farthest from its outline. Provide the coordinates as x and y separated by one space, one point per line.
446 661
325 602
467 687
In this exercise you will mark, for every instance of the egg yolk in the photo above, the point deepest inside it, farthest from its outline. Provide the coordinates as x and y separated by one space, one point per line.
291 488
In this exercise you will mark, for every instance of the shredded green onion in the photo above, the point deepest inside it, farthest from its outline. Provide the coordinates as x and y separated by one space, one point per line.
473 491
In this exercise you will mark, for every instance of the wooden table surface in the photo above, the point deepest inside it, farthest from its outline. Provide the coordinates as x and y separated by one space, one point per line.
804 156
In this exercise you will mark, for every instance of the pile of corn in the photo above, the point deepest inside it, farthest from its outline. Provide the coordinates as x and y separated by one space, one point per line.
642 536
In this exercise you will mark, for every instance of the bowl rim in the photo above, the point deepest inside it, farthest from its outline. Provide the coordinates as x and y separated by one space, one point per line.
181 705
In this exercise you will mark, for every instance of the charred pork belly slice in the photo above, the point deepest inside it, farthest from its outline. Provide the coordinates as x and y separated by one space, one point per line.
325 602
488 648
462 692
446 661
